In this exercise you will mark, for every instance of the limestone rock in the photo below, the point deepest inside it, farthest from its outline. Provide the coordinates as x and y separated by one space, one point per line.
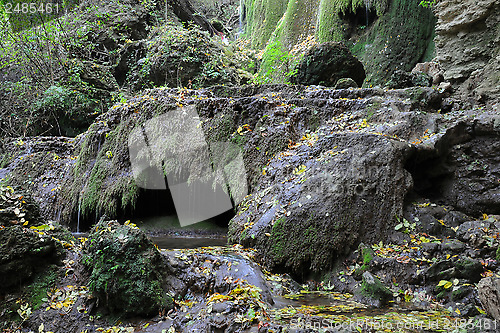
489 295
364 182
22 253
430 68
400 79
466 35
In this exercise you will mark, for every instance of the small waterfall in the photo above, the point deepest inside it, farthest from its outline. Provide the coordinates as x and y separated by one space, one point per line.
367 9
242 16
79 211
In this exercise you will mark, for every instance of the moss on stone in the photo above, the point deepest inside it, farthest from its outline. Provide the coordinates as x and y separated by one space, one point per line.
42 282
367 255
373 288
126 270
330 26
405 31
262 18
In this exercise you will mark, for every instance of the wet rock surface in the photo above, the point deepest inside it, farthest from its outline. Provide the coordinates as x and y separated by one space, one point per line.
349 174
23 252
326 170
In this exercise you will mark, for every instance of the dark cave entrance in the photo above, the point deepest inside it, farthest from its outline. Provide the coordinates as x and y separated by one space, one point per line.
429 172
460 171
359 20
153 204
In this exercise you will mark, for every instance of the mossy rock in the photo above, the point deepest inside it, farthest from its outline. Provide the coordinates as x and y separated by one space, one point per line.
367 255
401 79
374 289
42 282
178 57
346 83
126 270
24 252
470 269
461 292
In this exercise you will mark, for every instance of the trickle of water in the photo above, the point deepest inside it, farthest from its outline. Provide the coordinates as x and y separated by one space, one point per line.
78 220
367 8
240 29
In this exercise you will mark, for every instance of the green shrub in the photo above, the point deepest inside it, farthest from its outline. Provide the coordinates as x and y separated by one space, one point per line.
276 65
70 109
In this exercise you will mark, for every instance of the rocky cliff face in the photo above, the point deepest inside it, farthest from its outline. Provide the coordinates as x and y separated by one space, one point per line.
384 35
467 46
463 36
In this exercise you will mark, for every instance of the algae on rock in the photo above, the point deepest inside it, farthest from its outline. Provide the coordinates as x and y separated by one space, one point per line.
127 271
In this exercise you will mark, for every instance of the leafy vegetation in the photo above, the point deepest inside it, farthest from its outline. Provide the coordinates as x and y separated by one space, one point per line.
427 4
276 65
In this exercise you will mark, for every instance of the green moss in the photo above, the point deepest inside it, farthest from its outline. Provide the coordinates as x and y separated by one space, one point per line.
330 26
99 184
405 31
126 271
299 246
276 64
373 288
37 291
262 18
498 254
278 236
298 22
367 255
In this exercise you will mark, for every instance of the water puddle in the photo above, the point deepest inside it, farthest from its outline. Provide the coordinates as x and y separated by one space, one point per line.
169 243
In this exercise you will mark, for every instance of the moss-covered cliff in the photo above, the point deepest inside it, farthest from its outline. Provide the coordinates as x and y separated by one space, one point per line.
385 34
399 39
262 16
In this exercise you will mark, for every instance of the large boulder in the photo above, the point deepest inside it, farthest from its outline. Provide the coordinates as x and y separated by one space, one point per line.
489 295
178 57
24 252
326 63
319 198
127 272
